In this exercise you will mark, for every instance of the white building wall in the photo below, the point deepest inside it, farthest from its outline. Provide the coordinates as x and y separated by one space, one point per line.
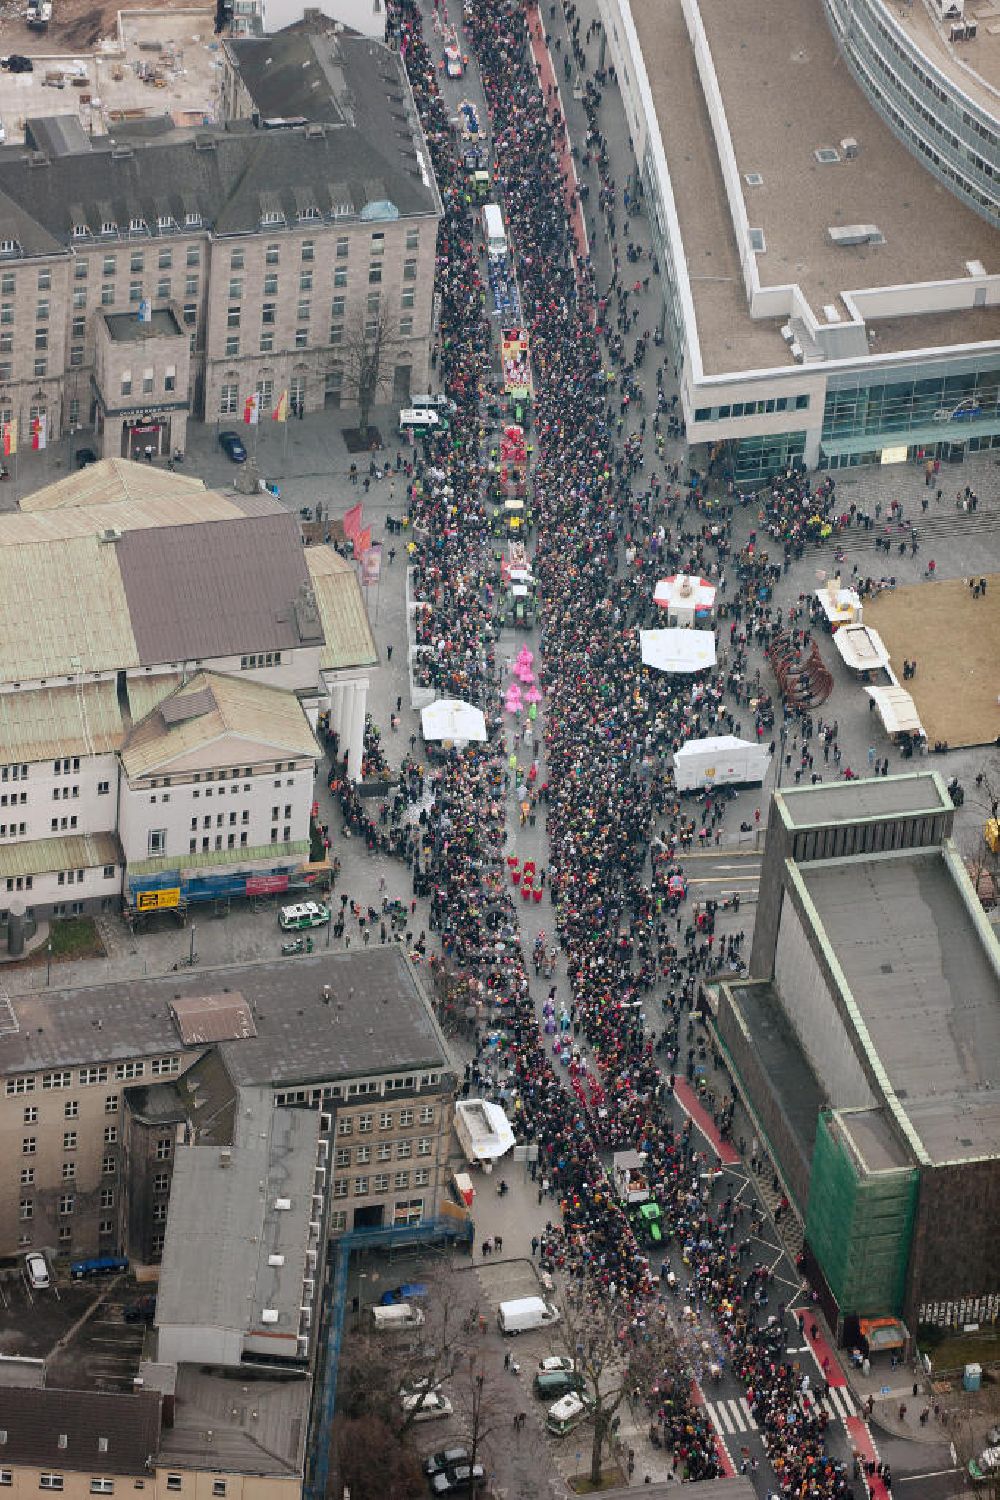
95 885
68 799
216 811
366 16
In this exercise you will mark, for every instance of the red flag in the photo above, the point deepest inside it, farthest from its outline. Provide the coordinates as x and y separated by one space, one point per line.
352 522
362 542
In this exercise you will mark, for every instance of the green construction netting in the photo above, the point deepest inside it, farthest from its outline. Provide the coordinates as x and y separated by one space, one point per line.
859 1226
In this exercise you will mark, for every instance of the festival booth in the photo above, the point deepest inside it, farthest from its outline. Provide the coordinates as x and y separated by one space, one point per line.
687 599
897 711
452 722
840 606
677 650
484 1131
861 648
719 760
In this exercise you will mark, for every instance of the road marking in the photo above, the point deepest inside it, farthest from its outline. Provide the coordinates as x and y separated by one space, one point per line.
732 1416
934 1474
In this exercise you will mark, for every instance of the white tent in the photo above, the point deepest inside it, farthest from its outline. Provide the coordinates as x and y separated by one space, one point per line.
861 647
897 710
677 650
841 606
451 719
684 597
483 1130
719 760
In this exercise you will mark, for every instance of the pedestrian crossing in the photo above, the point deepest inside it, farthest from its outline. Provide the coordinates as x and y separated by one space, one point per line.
733 1416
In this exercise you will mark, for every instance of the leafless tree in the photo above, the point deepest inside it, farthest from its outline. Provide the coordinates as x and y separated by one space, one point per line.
616 1358
368 349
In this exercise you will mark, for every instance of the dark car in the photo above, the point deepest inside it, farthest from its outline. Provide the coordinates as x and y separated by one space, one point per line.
436 1463
552 1385
16 63
456 1479
84 456
232 446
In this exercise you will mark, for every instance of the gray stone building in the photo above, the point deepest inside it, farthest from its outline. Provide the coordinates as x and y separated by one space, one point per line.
158 274
867 1042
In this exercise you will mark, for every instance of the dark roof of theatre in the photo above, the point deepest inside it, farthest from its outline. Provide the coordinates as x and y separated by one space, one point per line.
196 592
105 1432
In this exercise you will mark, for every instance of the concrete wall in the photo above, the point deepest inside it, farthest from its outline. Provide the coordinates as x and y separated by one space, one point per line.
813 1012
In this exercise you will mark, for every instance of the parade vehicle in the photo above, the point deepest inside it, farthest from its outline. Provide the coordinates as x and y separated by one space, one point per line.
453 63
493 230
515 359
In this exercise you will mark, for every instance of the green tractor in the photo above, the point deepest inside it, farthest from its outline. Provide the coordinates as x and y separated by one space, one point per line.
649 1223
520 607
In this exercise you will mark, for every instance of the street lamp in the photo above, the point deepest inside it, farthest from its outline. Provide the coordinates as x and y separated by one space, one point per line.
48 963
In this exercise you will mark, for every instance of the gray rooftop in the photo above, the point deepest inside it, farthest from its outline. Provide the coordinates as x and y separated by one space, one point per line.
246 1426
377 1020
196 592
128 328
36 1421
874 1139
240 1267
873 797
926 981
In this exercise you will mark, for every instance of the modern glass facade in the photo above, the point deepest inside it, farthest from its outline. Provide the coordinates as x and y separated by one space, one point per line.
956 139
946 410
755 458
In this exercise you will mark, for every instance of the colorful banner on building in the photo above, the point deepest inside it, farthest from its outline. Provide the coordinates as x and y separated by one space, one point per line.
251 409
280 412
266 885
158 900
39 431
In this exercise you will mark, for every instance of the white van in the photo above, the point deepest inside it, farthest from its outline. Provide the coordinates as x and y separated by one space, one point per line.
568 1413
526 1313
439 403
496 239
420 419
398 1318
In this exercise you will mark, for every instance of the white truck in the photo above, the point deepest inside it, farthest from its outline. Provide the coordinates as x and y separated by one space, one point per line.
526 1313
722 760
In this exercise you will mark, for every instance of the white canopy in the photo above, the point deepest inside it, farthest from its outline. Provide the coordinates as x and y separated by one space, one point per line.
677 650
841 606
451 719
684 595
862 648
715 744
897 710
483 1130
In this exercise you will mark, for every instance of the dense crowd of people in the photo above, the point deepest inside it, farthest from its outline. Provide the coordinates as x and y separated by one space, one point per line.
613 515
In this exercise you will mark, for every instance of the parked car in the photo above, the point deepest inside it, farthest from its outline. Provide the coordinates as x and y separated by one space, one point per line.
556 1362
426 1406
446 1458
457 1479
551 1385
84 456
568 1413
36 1268
232 446
305 914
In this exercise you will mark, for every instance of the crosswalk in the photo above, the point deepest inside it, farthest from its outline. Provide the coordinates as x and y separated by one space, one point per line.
734 1415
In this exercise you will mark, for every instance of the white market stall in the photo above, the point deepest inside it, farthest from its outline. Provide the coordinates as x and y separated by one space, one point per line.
719 760
452 720
897 711
484 1131
841 606
686 598
677 650
861 648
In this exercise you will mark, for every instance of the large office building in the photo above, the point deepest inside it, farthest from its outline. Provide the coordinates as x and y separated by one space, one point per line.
821 189
166 654
867 1043
158 273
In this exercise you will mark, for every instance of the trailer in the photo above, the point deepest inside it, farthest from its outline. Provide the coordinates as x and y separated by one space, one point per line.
630 1176
515 356
722 760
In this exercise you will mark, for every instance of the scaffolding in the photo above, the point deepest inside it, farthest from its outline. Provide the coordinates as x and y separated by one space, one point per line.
859 1224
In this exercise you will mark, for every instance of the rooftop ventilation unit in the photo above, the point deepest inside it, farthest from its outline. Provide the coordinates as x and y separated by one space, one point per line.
856 234
849 147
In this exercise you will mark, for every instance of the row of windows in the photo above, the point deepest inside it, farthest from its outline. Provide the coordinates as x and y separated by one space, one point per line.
101 1486
109 1167
386 1120
236 773
379 1183
405 1213
751 408
62 1078
362 1087
363 1155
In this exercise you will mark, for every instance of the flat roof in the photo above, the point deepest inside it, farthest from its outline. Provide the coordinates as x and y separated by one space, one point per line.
787 93
873 1138
251 1425
126 328
377 1019
241 1267
872 797
926 981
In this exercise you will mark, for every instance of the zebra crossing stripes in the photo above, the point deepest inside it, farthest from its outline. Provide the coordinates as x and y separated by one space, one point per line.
734 1415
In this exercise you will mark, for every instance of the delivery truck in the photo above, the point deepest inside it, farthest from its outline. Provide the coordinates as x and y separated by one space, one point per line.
526 1313
722 760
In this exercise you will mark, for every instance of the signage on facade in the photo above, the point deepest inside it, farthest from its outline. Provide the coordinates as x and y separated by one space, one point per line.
264 885
158 900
